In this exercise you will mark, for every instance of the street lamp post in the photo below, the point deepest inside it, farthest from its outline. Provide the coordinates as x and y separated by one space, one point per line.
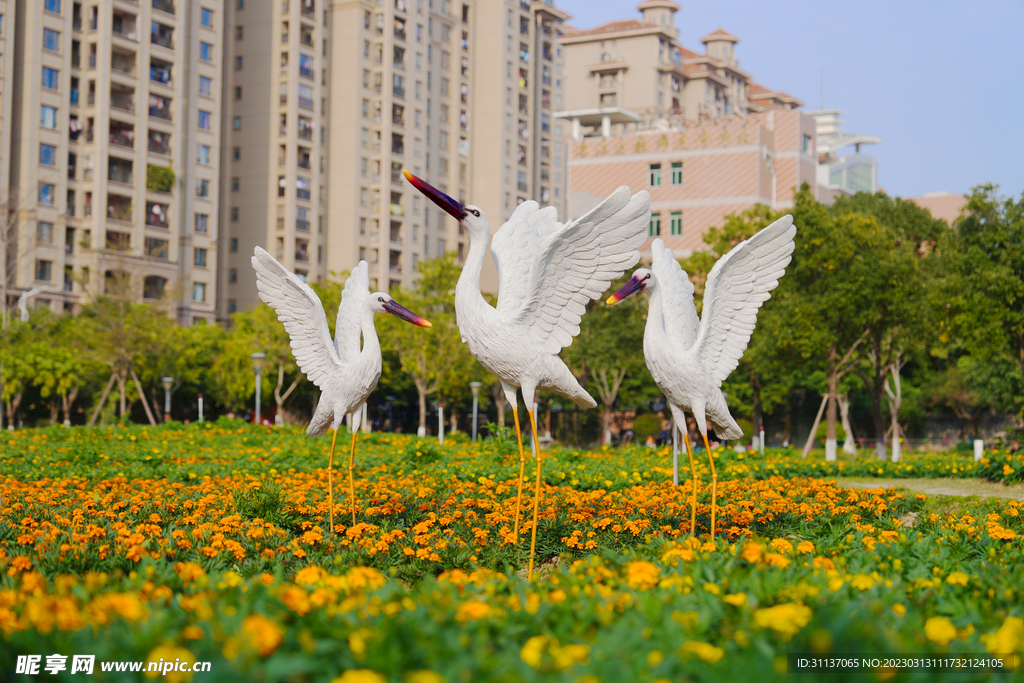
475 386
258 359
168 382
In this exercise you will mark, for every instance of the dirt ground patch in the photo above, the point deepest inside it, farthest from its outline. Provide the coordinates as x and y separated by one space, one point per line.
941 487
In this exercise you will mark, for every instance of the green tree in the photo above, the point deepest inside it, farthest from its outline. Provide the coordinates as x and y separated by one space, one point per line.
987 292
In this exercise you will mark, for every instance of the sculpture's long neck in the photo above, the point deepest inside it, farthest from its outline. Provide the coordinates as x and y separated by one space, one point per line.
467 290
655 328
370 352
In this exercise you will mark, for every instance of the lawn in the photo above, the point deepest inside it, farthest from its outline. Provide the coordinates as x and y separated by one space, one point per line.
211 543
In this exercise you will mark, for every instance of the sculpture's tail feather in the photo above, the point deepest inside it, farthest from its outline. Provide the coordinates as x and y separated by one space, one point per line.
721 419
323 416
564 383
729 430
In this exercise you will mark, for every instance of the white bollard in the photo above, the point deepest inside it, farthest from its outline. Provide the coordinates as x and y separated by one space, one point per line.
440 424
979 447
760 442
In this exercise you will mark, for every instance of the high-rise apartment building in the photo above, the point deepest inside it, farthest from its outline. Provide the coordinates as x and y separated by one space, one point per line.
115 149
7 14
409 84
275 140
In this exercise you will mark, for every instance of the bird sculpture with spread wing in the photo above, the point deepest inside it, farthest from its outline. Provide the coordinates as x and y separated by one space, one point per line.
690 357
344 372
547 272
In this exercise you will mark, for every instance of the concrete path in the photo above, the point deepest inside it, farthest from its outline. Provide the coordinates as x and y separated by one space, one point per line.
943 487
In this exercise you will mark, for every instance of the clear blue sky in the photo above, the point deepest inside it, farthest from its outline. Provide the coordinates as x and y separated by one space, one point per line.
942 82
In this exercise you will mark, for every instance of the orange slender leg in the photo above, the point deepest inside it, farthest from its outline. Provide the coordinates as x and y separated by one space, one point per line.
695 478
330 480
522 471
536 499
714 485
351 479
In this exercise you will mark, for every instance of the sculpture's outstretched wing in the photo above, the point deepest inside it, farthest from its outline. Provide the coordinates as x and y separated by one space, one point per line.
302 314
737 286
548 271
353 298
681 322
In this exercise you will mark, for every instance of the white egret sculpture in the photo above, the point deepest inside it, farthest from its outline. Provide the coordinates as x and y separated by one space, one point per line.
23 301
344 373
690 357
547 272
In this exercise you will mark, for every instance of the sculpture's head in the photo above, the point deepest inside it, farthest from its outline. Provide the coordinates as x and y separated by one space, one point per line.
381 302
471 217
642 281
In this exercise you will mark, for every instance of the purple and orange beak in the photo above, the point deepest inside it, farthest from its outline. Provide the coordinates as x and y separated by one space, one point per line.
449 205
399 311
629 289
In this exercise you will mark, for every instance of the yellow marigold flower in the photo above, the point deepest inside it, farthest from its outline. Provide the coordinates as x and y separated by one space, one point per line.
787 618
862 582
654 658
1007 470
899 609
533 650
360 676
752 552
712 588
781 545
1009 638
266 579
365 577
568 655
189 571
424 676
309 575
642 575
230 580
262 634
805 547
939 630
169 653
128 605
684 554
736 599
471 610
957 579
296 599
776 560
709 653
193 632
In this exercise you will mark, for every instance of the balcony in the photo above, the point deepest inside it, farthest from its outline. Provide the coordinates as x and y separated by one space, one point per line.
123 99
160 71
122 135
396 233
306 36
301 225
162 35
164 6
156 215
159 143
123 25
308 8
123 62
119 208
305 128
301 251
120 171
160 107
304 159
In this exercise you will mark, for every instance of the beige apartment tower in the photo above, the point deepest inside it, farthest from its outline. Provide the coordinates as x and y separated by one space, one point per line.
275 140
115 149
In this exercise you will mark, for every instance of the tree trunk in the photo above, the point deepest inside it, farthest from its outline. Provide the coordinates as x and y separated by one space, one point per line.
103 399
498 394
606 421
68 400
895 397
755 385
122 380
54 410
830 414
421 391
607 391
142 397
849 443
278 396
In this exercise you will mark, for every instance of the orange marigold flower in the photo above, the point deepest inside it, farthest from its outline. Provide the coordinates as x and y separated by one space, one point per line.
262 634
642 575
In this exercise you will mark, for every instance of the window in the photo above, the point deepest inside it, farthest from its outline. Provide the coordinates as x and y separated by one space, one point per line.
239 32
807 144
203 155
233 275
46 193
202 222
205 52
236 123
236 153
47 155
238 63
199 292
238 92
51 78
206 86
233 245
675 225
654 177
306 66
157 248
232 305
206 17
51 40
654 229
677 173
302 187
202 187
44 270
204 120
52 6
199 257
44 233
234 214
